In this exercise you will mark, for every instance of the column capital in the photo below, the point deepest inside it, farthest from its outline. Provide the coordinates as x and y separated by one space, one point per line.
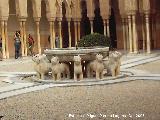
4 18
147 12
104 21
129 17
69 19
91 19
37 19
59 19
51 19
76 20
22 19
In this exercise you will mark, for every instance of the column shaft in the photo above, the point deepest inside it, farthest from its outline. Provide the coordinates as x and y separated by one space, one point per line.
124 34
91 23
51 34
6 38
130 34
127 34
69 32
22 41
143 35
38 37
3 40
135 38
148 34
154 30
105 29
108 31
79 30
24 38
60 33
75 31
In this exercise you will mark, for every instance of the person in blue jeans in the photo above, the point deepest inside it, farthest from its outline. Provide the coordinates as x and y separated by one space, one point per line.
17 44
57 41
0 44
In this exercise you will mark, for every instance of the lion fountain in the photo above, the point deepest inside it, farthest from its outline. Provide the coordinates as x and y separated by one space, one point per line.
60 68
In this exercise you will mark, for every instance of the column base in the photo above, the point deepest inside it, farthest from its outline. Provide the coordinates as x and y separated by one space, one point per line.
131 52
135 52
148 52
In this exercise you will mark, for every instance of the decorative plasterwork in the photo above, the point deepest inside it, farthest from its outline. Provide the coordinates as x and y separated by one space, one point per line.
76 10
51 9
36 5
131 6
21 9
90 9
105 8
4 9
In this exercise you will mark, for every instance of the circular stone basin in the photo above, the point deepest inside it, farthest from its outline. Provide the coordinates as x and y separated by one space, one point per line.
86 53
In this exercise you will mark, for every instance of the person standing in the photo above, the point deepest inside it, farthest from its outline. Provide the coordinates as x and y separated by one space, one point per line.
17 44
30 44
1 48
0 44
49 39
57 41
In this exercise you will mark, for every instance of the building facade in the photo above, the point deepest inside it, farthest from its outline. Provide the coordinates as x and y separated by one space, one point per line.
132 25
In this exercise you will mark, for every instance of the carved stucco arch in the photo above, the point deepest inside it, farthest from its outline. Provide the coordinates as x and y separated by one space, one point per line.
36 6
51 9
105 8
131 6
21 9
68 5
76 9
4 9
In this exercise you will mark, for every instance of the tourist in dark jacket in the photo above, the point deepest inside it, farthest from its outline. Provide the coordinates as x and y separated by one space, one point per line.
17 44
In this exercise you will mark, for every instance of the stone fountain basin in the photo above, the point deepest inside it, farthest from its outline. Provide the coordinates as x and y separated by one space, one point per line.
67 54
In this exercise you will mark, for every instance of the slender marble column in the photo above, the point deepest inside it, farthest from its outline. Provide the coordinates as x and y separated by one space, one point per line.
51 34
24 38
60 33
69 32
22 41
108 31
3 40
148 34
105 29
154 30
91 23
143 34
38 37
79 30
135 38
130 34
75 31
6 38
124 34
127 34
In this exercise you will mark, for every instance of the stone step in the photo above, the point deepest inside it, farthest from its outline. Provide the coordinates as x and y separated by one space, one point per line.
140 62
146 78
15 86
18 89
26 89
14 74
136 59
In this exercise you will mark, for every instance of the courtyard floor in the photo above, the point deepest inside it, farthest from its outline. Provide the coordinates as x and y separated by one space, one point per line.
139 99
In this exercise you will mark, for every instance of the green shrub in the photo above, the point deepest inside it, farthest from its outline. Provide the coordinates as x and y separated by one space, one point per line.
94 39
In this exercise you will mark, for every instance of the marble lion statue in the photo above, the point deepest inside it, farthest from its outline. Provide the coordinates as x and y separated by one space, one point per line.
96 66
59 69
112 64
78 68
42 65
